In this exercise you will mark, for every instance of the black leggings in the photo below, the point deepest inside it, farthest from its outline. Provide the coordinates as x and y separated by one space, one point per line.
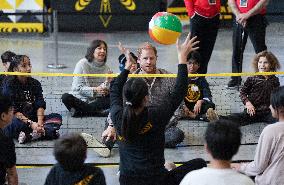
172 177
88 109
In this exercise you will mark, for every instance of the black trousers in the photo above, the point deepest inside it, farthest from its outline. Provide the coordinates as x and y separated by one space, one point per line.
244 118
255 30
86 109
206 30
172 177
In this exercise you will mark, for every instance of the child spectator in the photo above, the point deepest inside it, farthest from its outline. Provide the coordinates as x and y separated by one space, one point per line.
7 146
89 96
222 143
70 151
198 100
29 122
255 94
268 163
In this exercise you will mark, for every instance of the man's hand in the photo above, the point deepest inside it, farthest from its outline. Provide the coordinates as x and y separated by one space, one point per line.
109 133
250 108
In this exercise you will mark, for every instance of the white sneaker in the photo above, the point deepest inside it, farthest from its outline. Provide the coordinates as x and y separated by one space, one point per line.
22 137
97 146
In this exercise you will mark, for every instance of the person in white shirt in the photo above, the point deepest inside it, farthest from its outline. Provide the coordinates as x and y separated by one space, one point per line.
268 163
223 139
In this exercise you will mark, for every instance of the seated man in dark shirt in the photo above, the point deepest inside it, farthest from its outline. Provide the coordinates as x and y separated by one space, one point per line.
70 152
7 146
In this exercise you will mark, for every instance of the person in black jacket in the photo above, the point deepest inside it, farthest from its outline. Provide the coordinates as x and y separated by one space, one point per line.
29 122
70 151
141 128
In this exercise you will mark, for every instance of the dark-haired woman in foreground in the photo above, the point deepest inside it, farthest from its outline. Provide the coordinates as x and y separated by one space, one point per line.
141 129
29 122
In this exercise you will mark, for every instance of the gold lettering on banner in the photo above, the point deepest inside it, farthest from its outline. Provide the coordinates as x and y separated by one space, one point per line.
128 4
81 4
105 8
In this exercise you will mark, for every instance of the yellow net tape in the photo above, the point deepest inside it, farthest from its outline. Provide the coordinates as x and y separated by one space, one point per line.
141 75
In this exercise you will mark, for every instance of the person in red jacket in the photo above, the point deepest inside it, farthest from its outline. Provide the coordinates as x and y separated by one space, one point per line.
249 21
204 23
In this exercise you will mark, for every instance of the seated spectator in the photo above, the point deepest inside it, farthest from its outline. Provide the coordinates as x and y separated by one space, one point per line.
6 58
255 94
222 143
198 100
89 96
70 151
29 122
7 146
268 163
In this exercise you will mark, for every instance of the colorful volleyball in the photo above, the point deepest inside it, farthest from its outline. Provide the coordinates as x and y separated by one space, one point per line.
165 28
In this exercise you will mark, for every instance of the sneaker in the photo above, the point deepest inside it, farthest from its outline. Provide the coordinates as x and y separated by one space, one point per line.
22 137
97 146
211 115
235 82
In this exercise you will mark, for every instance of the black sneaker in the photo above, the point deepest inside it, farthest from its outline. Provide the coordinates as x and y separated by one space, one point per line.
234 83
